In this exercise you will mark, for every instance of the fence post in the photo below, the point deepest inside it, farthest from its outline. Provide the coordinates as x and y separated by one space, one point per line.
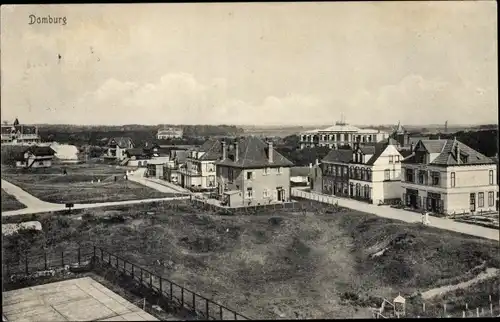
220 313
94 252
26 263
444 308
235 316
161 286
117 267
477 311
132 270
423 307
45 259
124 266
141 276
150 280
79 256
62 258
182 296
171 291
194 302
206 308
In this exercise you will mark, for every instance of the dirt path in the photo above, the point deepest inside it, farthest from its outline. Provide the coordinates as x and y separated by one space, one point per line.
489 273
157 184
399 214
35 205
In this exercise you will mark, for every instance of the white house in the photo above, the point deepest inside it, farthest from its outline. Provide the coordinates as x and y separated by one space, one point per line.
117 148
447 176
169 133
35 157
375 172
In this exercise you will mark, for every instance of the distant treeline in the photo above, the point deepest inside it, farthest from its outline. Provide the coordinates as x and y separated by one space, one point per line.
140 134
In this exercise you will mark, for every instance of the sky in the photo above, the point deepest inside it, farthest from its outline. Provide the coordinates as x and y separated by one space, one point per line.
251 63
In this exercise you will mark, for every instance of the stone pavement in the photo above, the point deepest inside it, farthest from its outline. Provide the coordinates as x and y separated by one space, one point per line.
400 214
81 299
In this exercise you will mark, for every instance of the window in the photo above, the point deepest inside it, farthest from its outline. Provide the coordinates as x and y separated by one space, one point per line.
346 137
230 175
421 177
409 175
363 174
391 159
356 173
491 199
480 199
435 178
249 175
40 163
249 193
397 159
265 193
280 170
266 172
452 179
491 176
334 173
352 172
345 171
387 174
368 174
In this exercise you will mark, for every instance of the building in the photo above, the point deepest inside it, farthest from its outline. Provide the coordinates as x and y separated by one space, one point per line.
375 172
252 172
155 168
447 176
169 133
117 148
35 157
341 134
335 172
171 168
19 134
198 172
301 176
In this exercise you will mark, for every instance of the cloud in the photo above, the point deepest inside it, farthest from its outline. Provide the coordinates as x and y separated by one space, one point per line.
179 98
416 100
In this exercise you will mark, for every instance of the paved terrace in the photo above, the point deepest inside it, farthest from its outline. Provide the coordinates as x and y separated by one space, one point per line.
81 299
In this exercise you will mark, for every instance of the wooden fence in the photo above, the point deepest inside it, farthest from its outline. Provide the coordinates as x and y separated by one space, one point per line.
176 294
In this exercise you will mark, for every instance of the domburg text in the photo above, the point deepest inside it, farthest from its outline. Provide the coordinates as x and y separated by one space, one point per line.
47 20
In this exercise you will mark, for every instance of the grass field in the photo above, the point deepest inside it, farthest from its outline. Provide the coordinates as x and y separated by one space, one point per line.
10 203
280 264
52 185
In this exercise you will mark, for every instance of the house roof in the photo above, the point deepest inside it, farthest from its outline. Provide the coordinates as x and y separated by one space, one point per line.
367 149
378 149
405 153
338 156
135 152
122 141
212 148
447 150
253 153
300 171
38 151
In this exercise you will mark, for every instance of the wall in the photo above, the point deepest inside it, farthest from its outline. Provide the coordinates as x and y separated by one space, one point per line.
259 183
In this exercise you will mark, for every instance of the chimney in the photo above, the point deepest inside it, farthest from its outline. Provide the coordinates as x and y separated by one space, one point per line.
270 151
224 150
457 152
236 151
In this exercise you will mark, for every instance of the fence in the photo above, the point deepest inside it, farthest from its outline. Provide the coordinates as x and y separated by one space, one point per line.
316 197
176 293
485 307
173 292
201 204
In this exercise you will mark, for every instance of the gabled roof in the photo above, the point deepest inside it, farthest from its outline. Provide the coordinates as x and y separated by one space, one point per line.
300 171
253 153
338 156
38 151
135 152
122 141
447 150
367 149
405 153
212 148
379 148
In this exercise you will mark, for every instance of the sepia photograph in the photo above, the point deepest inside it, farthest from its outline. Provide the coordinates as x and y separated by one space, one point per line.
249 161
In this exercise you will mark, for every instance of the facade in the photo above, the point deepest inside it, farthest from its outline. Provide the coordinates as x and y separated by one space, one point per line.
198 172
155 169
375 172
252 172
341 134
35 157
169 133
117 148
18 134
335 172
447 176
